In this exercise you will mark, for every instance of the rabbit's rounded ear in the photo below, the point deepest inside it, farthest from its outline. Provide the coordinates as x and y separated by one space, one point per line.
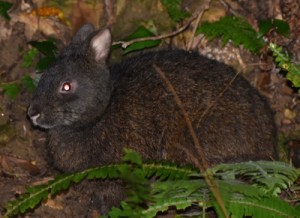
83 33
100 44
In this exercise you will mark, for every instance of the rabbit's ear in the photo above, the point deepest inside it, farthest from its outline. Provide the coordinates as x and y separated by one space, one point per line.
83 33
100 44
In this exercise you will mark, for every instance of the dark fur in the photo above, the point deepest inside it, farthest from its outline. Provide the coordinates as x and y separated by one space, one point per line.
129 106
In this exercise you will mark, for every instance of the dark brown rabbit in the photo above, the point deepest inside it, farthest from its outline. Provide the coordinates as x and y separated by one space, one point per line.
92 111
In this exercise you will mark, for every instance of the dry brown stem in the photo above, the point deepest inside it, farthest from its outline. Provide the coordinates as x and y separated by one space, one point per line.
200 14
203 165
217 98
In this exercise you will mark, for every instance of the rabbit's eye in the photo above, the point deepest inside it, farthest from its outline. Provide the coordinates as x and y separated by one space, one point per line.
66 87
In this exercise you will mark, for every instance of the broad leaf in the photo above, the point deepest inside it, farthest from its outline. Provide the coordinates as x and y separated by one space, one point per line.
4 7
264 27
141 32
44 63
48 47
10 90
28 83
281 27
29 57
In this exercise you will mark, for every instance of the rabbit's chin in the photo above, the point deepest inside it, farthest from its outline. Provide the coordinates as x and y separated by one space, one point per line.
49 125
42 125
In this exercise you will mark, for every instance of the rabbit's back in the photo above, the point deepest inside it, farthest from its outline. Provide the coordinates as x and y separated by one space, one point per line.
232 120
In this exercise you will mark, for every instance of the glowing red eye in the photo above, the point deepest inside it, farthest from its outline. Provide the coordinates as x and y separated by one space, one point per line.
66 87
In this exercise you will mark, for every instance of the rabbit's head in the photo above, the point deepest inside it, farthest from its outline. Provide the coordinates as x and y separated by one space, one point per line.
76 88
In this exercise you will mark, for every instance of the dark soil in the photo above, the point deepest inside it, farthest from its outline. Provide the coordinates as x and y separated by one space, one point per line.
23 161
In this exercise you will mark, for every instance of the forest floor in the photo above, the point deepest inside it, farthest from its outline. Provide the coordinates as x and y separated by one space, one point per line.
22 158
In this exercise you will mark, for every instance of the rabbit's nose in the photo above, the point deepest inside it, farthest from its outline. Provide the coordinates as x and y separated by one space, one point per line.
33 113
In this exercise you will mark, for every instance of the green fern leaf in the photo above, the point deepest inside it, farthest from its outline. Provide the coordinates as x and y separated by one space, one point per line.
125 211
270 176
265 207
34 195
170 171
284 61
243 186
28 200
236 29
179 194
132 157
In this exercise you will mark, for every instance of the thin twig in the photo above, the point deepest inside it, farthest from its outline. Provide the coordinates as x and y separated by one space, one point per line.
203 7
216 99
125 44
206 6
202 167
170 87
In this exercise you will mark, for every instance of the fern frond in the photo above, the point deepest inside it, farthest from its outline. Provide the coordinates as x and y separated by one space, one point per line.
179 194
132 171
233 28
285 62
248 188
168 171
263 207
34 195
270 176
240 200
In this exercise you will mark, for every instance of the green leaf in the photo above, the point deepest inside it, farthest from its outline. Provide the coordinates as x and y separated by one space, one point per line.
294 74
141 32
264 27
281 27
264 207
4 7
29 57
152 188
262 173
10 90
132 157
48 47
174 10
233 28
28 83
44 63
284 61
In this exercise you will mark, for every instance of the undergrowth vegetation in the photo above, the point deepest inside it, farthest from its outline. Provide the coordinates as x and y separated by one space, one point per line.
247 189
